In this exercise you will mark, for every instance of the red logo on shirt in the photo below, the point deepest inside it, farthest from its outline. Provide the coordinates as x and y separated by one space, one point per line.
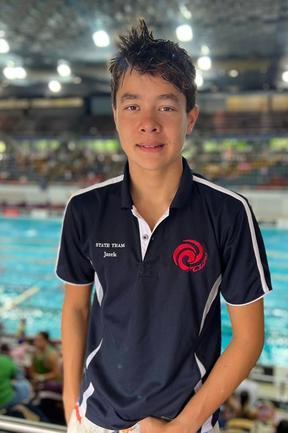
190 256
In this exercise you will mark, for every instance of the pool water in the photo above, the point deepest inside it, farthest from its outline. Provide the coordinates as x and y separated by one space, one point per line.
28 250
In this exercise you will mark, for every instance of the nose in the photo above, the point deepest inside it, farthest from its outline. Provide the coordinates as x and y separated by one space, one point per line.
149 125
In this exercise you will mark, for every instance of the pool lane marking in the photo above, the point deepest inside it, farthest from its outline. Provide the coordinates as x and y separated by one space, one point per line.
279 277
277 254
11 303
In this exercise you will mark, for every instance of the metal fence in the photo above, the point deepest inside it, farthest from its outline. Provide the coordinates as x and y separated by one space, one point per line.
9 424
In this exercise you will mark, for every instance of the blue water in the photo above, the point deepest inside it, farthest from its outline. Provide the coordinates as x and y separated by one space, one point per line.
28 250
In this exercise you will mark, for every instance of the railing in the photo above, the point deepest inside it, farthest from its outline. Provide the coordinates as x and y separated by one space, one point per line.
9 424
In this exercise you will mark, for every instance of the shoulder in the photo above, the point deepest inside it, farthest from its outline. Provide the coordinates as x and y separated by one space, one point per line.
220 197
91 200
87 205
7 364
98 189
51 352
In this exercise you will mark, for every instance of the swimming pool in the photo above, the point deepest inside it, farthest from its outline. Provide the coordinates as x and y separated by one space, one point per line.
28 250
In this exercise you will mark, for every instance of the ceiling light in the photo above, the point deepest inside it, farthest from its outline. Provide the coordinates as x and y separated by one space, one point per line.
204 63
77 80
184 33
14 72
205 50
20 72
199 79
2 147
233 73
4 46
285 76
64 69
54 86
185 12
9 72
101 38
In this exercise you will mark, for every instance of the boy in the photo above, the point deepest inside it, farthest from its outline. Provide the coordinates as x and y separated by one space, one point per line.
160 244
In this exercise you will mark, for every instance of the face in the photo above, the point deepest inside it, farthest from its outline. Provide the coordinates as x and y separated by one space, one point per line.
40 342
152 122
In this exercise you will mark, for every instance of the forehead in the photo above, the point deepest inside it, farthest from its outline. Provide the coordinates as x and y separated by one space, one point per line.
144 85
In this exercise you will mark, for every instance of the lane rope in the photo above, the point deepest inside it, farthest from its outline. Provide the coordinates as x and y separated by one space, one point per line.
13 302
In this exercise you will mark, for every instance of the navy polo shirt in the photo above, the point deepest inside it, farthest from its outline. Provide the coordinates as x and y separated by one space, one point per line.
155 331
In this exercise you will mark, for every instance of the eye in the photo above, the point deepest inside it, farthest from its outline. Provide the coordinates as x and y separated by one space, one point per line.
169 109
131 108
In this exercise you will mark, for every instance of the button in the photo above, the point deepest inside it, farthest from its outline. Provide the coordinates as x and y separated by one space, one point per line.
145 237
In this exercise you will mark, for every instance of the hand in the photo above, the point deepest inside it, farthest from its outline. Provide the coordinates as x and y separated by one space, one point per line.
175 426
158 425
152 425
39 378
69 406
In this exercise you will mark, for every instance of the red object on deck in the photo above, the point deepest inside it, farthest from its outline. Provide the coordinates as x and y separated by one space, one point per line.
11 212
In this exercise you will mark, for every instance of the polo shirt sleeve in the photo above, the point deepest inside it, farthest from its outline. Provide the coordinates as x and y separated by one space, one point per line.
245 271
73 265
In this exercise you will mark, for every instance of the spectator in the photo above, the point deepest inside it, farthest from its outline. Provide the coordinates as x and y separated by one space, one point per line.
21 331
251 387
246 410
229 410
45 362
22 355
266 412
14 388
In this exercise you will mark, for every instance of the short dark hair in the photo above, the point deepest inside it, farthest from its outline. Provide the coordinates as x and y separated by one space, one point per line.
45 335
282 426
140 51
244 397
5 349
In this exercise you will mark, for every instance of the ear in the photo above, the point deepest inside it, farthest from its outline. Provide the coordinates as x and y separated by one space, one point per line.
192 116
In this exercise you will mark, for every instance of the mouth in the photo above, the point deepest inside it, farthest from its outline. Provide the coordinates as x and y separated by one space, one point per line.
150 147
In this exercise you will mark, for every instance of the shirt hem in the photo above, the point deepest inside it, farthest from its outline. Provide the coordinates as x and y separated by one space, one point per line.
73 284
247 303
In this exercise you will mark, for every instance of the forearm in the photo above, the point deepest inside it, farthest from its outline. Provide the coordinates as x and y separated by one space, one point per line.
48 376
74 332
232 367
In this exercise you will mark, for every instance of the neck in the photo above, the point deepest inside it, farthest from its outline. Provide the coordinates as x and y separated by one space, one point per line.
153 186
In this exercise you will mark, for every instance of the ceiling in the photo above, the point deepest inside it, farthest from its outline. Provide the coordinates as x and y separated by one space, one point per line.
248 35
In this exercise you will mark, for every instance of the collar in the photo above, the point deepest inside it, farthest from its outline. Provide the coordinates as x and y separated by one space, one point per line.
182 195
126 199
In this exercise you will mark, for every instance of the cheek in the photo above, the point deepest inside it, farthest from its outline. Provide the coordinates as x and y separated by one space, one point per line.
122 124
179 128
124 136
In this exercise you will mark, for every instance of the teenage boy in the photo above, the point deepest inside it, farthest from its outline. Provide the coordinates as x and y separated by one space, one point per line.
160 244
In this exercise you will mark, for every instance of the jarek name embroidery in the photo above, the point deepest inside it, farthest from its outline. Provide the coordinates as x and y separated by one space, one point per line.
110 245
106 254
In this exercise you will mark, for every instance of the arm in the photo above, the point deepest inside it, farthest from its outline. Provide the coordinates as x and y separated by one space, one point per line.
53 364
75 314
231 368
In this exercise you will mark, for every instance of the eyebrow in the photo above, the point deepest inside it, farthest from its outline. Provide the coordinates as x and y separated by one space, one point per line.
163 97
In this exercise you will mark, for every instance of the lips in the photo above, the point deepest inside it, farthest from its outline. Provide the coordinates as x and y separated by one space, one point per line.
150 146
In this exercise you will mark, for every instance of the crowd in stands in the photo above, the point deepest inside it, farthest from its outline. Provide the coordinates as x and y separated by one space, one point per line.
85 167
239 408
31 388
31 379
81 166
260 169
